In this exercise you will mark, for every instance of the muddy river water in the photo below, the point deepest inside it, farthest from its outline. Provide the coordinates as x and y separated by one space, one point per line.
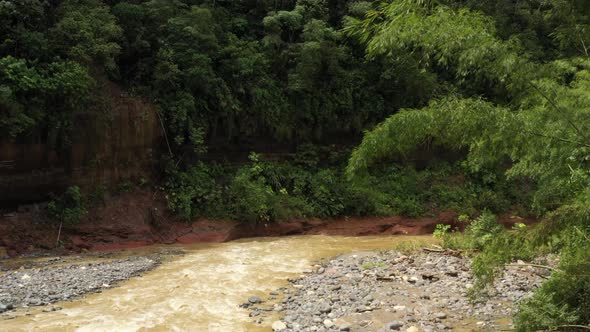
202 290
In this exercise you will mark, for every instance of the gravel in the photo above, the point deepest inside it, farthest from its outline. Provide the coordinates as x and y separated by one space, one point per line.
390 291
45 285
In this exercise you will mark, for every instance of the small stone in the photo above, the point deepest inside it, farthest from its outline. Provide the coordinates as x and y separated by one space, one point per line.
452 273
345 327
328 323
394 325
399 308
279 326
254 299
440 315
412 329
325 308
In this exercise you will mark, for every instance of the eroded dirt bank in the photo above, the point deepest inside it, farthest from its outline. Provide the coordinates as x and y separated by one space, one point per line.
140 218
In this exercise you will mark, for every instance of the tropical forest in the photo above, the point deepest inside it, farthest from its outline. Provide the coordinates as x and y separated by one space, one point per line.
295 165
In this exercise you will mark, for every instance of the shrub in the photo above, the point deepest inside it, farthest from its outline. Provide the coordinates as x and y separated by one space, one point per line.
564 299
67 208
324 194
193 192
441 230
483 230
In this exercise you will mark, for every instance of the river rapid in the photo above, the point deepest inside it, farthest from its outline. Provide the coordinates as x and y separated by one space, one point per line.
201 290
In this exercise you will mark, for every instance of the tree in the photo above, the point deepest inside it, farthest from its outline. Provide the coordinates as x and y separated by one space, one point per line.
87 33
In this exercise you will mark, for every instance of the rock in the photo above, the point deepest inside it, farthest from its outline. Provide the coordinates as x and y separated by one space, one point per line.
394 325
452 273
325 308
399 308
440 315
412 329
254 299
345 327
441 327
328 323
278 326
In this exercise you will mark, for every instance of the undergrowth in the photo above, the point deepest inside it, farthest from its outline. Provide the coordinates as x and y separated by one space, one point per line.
265 191
563 301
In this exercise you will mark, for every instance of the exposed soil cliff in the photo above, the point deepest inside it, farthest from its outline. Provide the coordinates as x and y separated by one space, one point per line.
140 218
105 150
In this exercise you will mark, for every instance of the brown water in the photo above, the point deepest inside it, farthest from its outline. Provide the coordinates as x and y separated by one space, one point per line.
200 291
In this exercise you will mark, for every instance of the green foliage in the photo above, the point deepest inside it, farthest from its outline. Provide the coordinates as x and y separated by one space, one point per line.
441 230
34 95
67 208
190 193
531 123
565 297
483 229
372 265
87 32
265 191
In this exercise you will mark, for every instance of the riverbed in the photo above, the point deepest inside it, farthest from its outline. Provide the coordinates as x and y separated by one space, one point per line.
200 290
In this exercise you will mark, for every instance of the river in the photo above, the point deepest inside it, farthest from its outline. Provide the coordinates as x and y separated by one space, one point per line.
202 290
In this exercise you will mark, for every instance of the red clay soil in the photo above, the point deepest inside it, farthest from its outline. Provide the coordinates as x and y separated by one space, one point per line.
140 218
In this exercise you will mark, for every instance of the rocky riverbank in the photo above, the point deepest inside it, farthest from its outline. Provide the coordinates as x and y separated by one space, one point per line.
42 282
385 291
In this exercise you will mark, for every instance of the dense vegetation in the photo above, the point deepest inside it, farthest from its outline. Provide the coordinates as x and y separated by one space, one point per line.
520 103
495 92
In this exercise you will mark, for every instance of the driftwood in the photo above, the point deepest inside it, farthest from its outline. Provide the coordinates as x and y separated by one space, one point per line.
562 327
385 278
443 251
535 265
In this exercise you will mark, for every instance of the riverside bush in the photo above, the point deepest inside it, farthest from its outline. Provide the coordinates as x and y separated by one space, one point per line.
263 191
67 208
